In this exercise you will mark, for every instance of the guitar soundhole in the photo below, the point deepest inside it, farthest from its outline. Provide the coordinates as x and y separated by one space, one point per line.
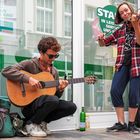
42 83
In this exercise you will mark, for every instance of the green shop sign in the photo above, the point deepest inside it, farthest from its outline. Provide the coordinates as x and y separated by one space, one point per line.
106 18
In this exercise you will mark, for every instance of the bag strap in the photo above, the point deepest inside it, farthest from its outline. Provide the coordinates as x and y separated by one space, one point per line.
4 110
1 122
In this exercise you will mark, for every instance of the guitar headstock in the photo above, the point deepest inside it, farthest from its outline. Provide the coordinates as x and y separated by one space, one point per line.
90 79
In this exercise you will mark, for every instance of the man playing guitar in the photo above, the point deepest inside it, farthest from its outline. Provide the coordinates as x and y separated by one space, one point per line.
45 108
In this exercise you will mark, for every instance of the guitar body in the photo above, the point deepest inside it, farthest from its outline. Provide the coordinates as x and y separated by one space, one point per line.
15 94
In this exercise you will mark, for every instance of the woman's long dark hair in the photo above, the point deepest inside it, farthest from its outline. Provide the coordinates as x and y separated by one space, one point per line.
118 18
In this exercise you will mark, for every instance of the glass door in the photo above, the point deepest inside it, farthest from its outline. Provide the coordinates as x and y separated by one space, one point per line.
72 55
20 34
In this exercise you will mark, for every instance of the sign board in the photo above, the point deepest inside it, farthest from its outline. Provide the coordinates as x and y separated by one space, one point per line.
6 26
7 18
106 19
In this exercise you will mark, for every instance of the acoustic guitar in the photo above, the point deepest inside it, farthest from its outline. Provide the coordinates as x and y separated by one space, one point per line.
21 94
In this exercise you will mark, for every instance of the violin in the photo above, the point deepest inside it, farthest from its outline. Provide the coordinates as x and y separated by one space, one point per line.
137 17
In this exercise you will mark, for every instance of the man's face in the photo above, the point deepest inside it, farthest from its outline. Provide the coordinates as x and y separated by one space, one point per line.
49 56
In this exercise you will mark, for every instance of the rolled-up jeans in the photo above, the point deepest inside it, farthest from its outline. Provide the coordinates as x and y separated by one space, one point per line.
119 83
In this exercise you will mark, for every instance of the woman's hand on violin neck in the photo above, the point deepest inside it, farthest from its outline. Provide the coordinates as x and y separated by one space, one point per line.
135 17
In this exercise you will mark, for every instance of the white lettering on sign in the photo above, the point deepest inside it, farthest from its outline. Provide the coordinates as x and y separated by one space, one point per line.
99 12
111 15
106 13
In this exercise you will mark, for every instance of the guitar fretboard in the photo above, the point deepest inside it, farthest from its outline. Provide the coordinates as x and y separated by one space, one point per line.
56 82
76 80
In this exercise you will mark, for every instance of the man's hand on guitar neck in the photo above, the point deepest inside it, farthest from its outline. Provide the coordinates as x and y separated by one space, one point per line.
34 83
62 85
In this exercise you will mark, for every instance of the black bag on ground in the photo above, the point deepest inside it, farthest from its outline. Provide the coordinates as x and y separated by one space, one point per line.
18 124
6 127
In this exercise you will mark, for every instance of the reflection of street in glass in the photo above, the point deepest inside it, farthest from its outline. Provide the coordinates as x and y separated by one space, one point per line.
22 54
99 96
95 28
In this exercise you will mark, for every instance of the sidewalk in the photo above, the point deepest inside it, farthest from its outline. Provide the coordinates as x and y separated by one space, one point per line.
92 134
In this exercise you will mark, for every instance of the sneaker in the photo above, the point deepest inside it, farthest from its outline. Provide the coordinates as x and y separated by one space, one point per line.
35 130
133 129
117 127
43 126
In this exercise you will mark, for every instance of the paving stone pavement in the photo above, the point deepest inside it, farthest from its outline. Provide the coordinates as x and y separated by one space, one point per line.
92 134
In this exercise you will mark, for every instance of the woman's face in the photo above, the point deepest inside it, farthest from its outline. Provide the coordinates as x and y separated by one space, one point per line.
125 12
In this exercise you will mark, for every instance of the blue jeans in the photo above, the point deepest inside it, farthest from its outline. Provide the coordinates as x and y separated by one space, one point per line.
119 83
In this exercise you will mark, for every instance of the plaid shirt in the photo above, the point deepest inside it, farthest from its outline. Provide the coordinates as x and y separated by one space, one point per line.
118 37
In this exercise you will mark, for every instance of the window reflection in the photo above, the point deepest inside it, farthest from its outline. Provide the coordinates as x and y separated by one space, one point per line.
98 61
20 37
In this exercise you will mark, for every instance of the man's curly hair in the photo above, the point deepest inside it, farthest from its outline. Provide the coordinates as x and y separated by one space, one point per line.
48 43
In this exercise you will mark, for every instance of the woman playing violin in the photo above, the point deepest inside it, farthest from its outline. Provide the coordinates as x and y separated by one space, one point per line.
127 66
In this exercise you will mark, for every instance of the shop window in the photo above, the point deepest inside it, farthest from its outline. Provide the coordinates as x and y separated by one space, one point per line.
90 13
45 16
67 18
120 1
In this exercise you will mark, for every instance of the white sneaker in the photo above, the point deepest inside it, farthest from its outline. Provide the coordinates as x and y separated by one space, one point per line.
43 126
35 130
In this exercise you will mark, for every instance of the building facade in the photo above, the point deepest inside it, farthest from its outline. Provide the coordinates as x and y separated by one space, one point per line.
76 24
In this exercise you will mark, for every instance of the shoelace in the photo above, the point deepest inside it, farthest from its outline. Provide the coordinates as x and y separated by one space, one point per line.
38 128
44 126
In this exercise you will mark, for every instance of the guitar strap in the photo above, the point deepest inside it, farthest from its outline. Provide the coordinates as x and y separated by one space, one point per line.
22 88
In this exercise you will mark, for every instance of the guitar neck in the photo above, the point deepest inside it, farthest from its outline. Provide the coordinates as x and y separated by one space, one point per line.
56 82
76 80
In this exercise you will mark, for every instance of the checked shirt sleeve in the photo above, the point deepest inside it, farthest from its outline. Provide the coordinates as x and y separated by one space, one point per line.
112 39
